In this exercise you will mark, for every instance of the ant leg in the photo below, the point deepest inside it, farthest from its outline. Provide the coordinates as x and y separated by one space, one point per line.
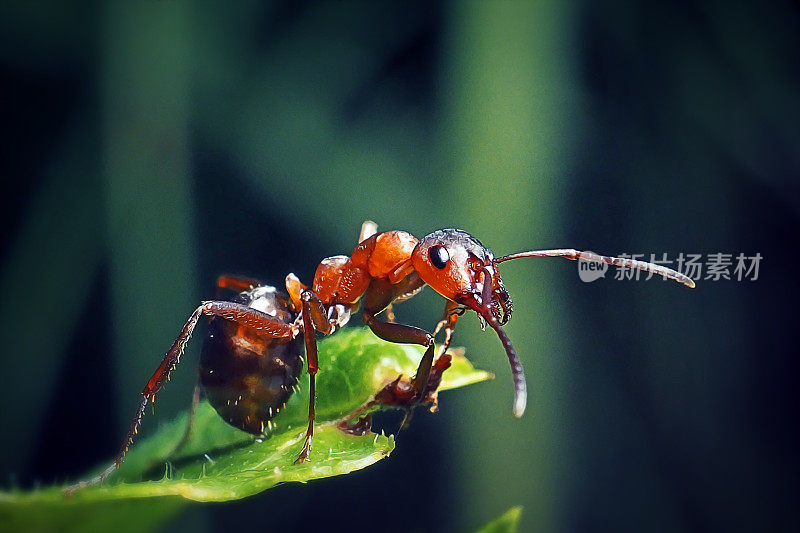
231 282
314 318
403 334
448 322
236 283
368 229
241 314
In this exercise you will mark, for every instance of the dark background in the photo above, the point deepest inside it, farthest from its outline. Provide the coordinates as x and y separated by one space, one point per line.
149 147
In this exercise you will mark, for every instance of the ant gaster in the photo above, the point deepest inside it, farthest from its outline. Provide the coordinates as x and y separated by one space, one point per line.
252 356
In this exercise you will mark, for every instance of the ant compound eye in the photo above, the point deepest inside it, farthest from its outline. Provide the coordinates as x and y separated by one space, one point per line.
439 256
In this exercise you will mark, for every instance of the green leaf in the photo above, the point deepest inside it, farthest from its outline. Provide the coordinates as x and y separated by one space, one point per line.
221 463
508 522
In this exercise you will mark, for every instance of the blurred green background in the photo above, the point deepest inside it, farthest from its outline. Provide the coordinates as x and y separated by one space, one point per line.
150 146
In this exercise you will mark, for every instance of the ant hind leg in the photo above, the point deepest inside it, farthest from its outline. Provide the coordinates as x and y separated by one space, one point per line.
241 314
236 283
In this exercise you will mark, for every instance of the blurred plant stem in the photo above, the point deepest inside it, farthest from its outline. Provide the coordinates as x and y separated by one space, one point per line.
507 128
148 185
148 201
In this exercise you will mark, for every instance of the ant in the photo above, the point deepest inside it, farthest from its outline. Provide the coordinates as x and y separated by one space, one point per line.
252 356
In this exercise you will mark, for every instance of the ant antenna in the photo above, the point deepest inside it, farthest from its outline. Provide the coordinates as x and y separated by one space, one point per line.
592 257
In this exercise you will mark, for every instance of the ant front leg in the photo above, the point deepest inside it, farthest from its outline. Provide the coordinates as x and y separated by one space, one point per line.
315 318
451 313
403 334
238 313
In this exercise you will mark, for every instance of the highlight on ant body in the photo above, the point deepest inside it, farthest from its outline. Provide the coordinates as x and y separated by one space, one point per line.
252 356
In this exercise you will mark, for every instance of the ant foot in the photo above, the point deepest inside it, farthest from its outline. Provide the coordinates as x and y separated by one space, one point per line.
304 453
398 393
360 428
401 392
97 480
435 379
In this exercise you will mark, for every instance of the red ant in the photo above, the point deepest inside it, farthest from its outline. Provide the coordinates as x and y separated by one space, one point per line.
252 358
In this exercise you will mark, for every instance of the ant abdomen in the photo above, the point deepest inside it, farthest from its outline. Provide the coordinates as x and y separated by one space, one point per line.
246 376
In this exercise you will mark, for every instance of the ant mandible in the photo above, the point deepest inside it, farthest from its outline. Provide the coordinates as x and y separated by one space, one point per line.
252 357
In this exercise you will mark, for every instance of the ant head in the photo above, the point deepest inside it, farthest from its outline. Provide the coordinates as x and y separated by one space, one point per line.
456 265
